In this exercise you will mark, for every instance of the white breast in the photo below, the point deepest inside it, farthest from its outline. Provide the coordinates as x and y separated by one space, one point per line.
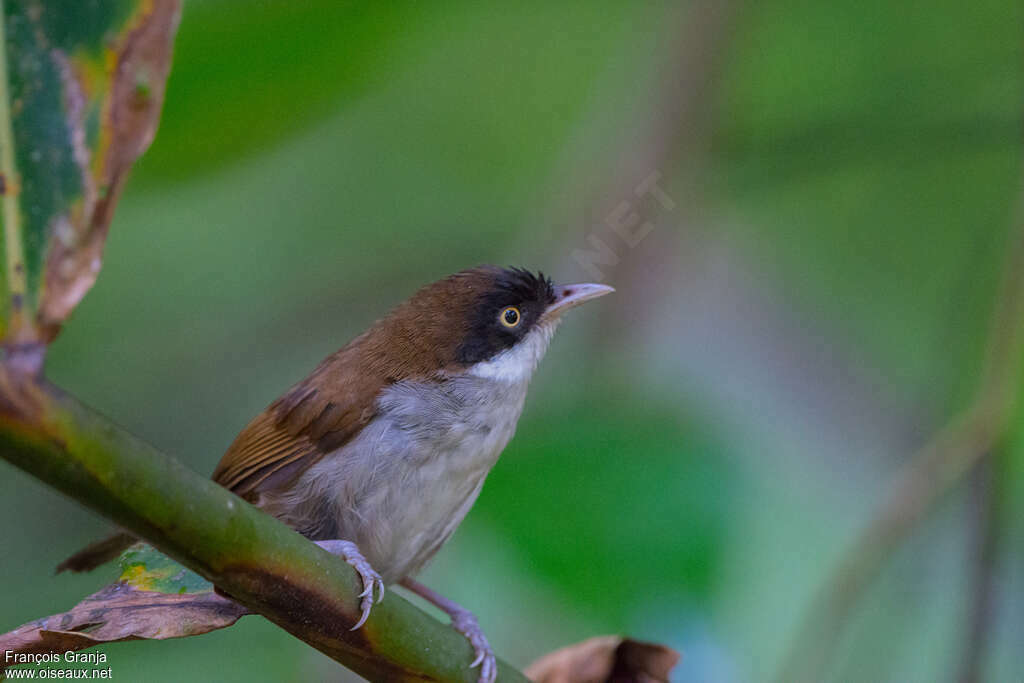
402 486
405 482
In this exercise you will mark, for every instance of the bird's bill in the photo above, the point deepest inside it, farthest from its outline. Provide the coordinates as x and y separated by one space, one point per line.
571 296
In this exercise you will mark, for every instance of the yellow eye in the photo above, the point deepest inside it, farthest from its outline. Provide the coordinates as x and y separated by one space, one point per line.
510 316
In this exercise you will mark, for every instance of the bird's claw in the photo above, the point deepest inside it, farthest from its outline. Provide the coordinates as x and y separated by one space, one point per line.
465 623
376 585
372 581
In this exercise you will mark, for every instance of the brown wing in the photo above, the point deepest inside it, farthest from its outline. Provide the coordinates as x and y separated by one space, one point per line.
315 417
416 340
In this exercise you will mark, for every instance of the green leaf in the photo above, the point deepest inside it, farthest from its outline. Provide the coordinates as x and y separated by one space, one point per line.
147 569
81 86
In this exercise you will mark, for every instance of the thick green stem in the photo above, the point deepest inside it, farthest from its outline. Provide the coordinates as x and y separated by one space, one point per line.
249 555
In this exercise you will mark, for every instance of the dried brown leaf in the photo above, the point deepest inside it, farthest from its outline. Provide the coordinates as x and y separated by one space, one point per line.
605 658
122 612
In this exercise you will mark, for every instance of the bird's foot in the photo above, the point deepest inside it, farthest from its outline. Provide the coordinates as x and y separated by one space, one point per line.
372 581
465 623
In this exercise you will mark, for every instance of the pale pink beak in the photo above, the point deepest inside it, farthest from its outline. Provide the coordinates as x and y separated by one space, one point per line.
571 296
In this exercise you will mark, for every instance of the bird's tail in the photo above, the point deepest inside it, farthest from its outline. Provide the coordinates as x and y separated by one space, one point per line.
95 554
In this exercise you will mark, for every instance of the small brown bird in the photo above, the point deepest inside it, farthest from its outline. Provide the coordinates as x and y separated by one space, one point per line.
379 454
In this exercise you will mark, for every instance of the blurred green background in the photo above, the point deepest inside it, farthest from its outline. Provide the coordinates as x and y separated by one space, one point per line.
694 456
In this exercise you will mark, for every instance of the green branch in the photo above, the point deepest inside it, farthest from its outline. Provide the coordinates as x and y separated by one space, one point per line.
247 554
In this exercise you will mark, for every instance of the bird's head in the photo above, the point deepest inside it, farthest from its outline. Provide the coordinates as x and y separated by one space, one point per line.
488 321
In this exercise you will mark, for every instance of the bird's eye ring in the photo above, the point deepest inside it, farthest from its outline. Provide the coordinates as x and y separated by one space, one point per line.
510 316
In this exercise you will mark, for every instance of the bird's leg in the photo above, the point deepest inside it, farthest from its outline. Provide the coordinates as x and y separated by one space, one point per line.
348 551
465 623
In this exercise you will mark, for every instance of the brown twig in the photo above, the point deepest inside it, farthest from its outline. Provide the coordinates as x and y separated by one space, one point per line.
950 455
675 141
985 532
668 135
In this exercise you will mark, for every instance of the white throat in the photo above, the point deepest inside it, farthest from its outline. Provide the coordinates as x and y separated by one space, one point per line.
516 364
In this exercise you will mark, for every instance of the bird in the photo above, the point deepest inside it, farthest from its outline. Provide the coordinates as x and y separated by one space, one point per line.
381 451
